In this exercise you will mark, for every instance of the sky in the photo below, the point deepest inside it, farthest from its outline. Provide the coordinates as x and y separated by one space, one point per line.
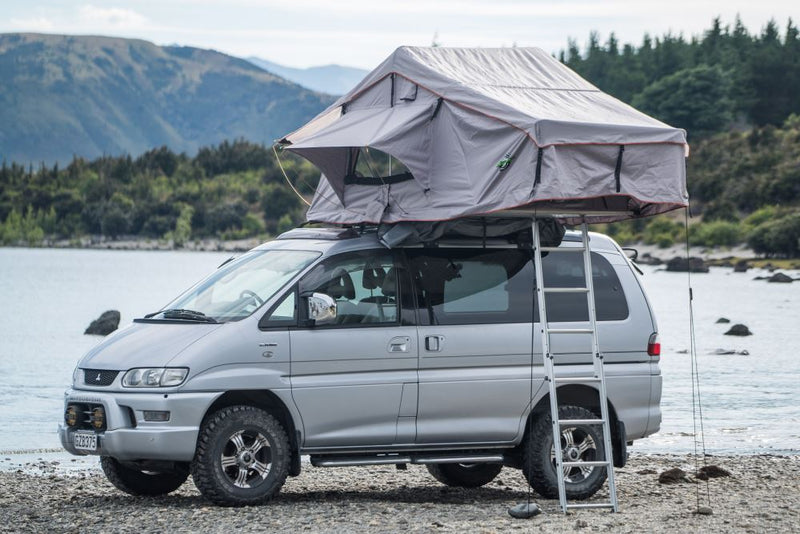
361 33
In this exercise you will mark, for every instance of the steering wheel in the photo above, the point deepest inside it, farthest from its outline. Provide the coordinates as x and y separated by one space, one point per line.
252 295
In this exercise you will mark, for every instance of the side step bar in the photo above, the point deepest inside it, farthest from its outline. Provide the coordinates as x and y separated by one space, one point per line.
387 459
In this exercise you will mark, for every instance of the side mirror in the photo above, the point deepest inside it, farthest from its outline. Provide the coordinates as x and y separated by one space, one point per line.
321 309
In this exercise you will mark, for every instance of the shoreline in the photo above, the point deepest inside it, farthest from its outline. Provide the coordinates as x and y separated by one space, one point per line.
648 254
216 245
762 494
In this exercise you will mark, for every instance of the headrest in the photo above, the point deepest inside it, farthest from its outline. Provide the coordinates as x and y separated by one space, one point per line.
389 286
341 286
373 278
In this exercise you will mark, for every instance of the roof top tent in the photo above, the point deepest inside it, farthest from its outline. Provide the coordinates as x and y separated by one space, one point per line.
436 134
434 138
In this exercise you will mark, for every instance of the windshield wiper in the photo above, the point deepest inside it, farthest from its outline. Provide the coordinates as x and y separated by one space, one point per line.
189 315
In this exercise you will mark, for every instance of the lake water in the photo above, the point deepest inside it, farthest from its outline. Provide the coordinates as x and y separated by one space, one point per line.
751 404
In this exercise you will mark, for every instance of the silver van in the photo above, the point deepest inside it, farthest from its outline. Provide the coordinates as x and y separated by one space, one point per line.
324 343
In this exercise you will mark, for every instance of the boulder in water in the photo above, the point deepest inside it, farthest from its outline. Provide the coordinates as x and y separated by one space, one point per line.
741 266
105 324
780 278
647 259
681 265
738 330
723 320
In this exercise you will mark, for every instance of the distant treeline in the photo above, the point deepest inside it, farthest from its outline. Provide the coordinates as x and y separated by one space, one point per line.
747 184
229 191
725 78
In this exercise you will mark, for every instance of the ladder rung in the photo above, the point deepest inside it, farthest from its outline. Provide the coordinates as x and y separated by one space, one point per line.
586 464
565 422
560 249
578 379
592 505
565 290
570 331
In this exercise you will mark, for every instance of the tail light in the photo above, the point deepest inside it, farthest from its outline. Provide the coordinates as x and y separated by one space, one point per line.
653 345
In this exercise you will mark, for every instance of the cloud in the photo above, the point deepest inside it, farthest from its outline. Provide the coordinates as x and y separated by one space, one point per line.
35 24
109 17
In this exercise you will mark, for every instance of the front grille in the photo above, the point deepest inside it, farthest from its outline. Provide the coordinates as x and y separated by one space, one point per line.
98 377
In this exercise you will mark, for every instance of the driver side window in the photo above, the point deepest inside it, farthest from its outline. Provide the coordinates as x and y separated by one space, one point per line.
364 286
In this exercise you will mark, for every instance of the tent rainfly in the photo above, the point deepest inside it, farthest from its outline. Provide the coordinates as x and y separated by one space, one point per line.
434 134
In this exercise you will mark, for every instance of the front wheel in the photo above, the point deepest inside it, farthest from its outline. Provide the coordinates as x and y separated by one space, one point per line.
137 482
242 457
579 442
464 475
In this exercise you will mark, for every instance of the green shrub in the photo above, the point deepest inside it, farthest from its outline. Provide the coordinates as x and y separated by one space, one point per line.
777 237
717 233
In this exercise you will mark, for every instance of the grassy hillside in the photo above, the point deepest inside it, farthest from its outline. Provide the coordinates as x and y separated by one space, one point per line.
62 96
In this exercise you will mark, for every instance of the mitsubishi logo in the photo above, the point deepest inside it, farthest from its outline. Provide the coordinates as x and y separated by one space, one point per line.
98 378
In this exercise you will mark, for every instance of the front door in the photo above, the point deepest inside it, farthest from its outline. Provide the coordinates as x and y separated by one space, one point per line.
355 382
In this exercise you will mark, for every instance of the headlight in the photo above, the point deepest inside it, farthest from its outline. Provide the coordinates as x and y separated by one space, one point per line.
76 375
153 377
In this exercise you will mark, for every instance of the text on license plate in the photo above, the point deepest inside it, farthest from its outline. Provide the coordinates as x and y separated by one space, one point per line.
85 441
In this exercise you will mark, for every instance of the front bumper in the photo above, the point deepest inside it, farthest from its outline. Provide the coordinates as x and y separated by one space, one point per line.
129 437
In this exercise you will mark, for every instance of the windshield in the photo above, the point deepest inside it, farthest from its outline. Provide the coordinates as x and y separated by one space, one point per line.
239 287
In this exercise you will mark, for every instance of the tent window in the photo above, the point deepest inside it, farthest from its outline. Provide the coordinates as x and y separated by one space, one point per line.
375 167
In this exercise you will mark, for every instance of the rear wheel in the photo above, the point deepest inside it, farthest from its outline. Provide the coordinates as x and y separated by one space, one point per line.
242 457
464 475
137 482
578 443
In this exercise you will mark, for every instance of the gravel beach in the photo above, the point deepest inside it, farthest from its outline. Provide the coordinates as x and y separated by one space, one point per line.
762 494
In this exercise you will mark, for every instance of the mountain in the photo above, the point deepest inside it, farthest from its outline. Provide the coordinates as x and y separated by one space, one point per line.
330 79
88 96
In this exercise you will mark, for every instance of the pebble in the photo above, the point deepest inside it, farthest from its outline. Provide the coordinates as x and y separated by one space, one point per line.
365 499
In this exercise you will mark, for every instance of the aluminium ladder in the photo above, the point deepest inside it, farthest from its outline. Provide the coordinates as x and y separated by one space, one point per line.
598 376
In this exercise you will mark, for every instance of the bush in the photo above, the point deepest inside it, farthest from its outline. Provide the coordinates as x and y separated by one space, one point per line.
717 233
662 232
777 237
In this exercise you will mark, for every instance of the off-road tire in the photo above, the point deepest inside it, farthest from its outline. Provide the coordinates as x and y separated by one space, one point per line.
137 482
464 475
538 464
217 438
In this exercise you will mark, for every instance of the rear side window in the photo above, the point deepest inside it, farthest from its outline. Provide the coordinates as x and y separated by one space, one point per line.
484 286
457 286
565 269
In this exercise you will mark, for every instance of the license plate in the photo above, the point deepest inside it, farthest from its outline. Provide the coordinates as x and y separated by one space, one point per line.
84 441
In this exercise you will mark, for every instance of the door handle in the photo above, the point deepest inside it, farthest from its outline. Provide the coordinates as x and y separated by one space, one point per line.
434 343
399 344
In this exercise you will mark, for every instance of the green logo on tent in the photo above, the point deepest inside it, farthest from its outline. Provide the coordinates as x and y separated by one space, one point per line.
505 162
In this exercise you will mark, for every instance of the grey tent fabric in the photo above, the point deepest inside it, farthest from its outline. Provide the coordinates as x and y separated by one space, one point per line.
486 131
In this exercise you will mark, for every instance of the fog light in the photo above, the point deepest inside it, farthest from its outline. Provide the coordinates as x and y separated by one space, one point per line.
71 415
98 418
151 415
